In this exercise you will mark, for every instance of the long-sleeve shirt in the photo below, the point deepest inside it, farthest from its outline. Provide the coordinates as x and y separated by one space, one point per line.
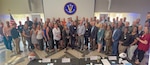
81 30
56 34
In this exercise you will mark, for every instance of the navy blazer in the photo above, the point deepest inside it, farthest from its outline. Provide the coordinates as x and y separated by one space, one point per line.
93 34
73 30
117 34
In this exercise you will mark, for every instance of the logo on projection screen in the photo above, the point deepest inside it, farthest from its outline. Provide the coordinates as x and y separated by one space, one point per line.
70 8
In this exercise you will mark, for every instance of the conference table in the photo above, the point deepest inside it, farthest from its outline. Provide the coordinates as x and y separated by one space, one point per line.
75 61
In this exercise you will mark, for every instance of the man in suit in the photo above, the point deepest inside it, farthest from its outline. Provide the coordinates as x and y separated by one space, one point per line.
115 38
93 35
73 32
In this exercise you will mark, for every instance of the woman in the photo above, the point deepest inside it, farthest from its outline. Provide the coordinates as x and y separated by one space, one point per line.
100 37
108 39
143 45
56 35
87 35
46 39
125 41
133 42
49 35
7 36
27 35
40 36
33 37
65 36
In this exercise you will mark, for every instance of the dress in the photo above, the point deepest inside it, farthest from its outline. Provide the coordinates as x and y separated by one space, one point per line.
100 36
33 38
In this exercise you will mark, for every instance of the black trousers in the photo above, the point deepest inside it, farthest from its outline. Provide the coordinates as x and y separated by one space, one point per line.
41 44
140 55
30 45
56 42
66 41
73 39
86 40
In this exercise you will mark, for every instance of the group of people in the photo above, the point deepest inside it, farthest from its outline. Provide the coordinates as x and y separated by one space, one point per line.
103 35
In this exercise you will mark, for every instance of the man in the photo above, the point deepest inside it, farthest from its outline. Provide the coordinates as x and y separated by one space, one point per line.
29 23
83 21
93 35
73 32
35 22
20 29
77 19
69 22
126 25
115 38
16 39
80 32
108 21
133 25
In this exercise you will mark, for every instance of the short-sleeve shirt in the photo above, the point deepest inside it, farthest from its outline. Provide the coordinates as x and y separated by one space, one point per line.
144 47
27 32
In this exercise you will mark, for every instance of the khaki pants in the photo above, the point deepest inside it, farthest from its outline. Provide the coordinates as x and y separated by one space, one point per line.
16 44
108 46
81 41
23 39
122 48
131 50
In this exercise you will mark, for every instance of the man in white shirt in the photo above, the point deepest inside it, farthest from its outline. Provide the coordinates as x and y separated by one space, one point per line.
80 32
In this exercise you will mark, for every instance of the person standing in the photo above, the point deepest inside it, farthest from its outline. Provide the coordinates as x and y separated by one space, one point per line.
100 37
80 32
87 34
7 36
108 39
40 36
57 35
115 38
27 35
124 42
65 36
93 35
73 33
16 39
29 23
20 29
133 44
33 37
49 35
143 44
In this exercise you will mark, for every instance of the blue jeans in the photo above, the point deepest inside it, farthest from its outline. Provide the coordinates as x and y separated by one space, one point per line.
7 42
115 48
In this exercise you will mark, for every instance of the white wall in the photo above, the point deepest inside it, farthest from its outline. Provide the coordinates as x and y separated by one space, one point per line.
55 8
20 6
16 6
126 6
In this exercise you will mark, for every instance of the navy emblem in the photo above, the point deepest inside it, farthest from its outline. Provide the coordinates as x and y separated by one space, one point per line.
70 8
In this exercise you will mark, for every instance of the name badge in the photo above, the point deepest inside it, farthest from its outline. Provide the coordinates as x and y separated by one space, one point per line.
125 37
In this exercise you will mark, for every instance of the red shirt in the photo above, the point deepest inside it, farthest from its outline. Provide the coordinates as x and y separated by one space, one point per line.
142 46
